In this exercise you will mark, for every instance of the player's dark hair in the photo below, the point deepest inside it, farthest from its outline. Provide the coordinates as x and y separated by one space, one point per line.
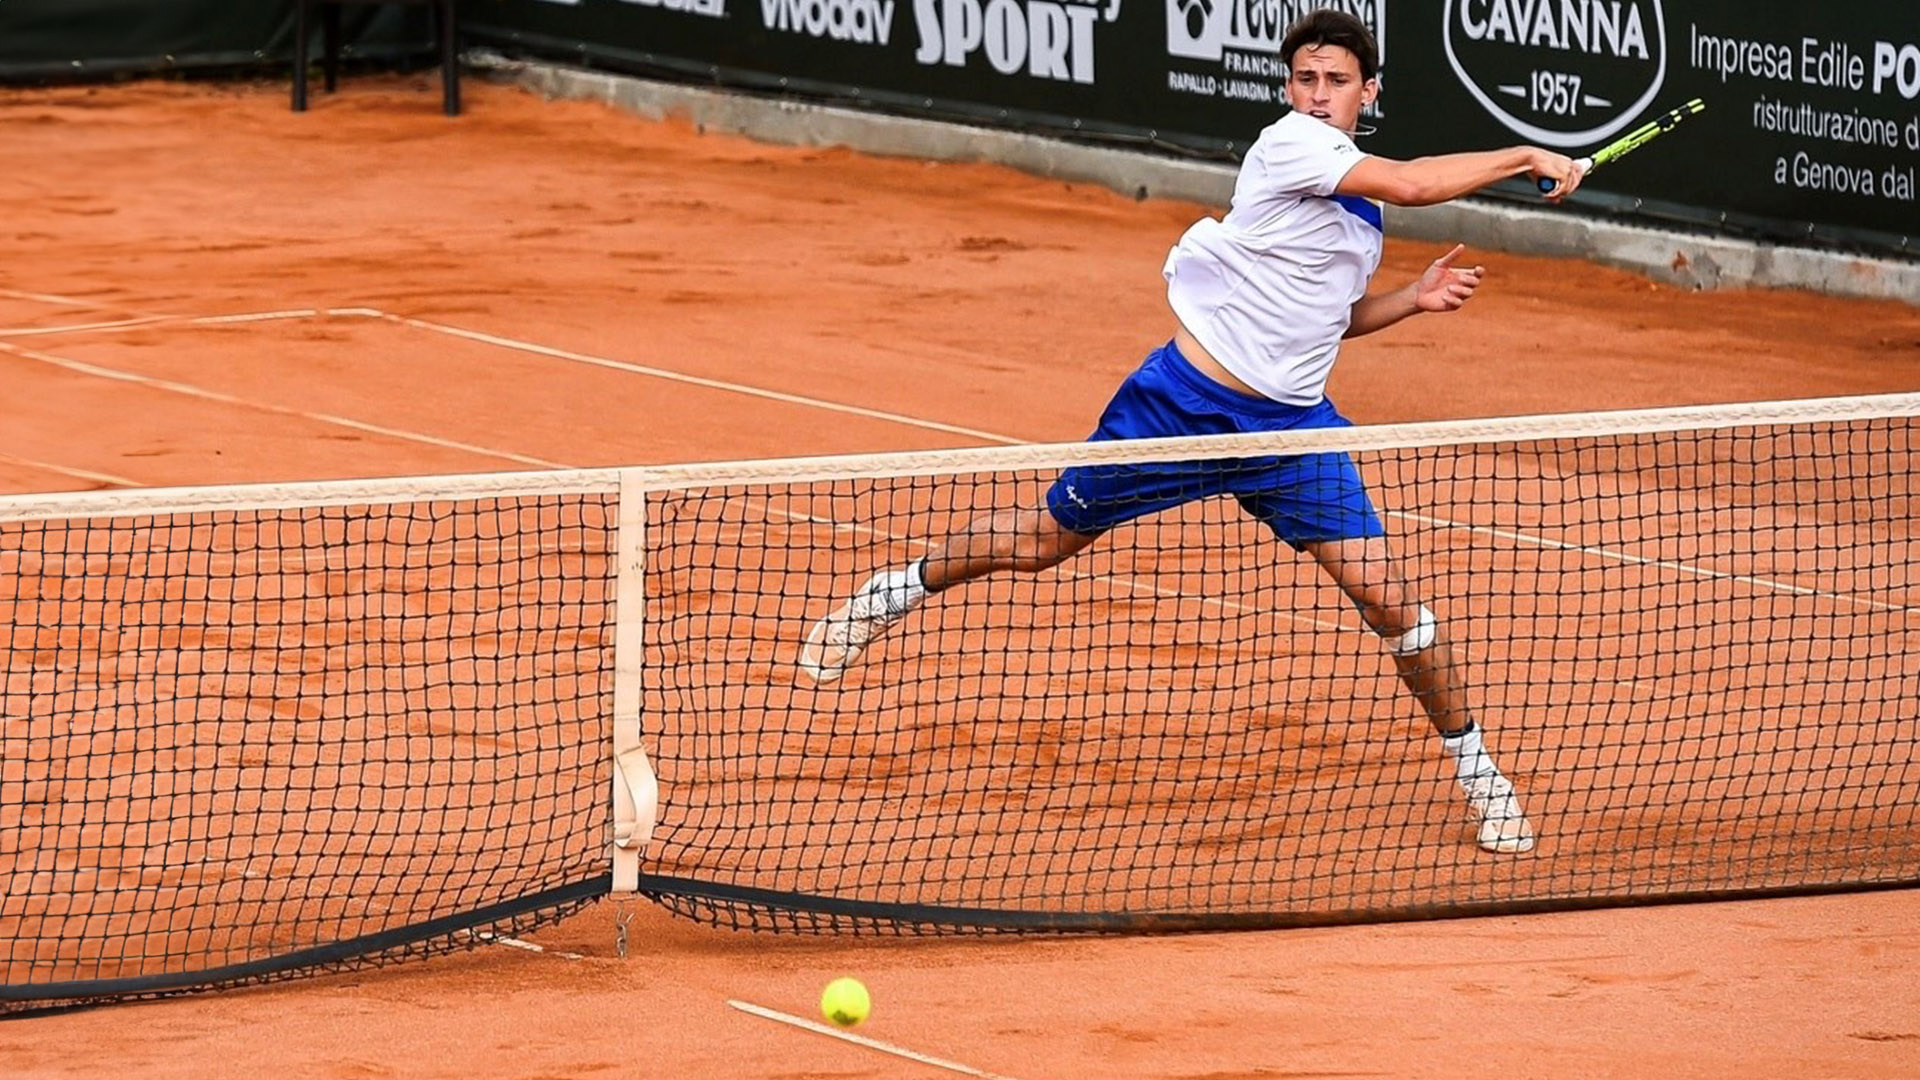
1328 27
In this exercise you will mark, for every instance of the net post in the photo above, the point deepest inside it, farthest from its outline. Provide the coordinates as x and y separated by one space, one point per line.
636 792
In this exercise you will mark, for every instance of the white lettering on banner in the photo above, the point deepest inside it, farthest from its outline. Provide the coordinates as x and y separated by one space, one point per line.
1561 73
1248 90
1187 83
869 22
1899 64
1807 121
1254 64
1728 57
1823 176
1832 65
713 9
1589 26
1893 182
1882 147
1051 39
1879 145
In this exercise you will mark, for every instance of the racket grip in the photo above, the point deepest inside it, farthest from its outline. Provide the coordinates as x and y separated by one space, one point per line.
1585 165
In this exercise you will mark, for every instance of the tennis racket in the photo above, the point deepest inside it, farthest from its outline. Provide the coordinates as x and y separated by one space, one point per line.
1633 140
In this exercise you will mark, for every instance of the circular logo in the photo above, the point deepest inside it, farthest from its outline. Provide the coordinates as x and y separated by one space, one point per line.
1565 74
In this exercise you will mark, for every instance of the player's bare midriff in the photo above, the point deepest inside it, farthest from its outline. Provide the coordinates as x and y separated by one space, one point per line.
1203 362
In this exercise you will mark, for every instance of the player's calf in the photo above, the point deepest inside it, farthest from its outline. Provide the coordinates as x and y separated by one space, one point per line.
1501 824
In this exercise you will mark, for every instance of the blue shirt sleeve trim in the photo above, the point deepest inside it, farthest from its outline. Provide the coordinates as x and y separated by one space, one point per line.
1363 208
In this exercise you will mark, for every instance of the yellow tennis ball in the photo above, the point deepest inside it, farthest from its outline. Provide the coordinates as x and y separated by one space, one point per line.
845 1002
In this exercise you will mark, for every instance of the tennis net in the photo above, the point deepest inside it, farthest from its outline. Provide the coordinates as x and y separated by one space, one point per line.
263 731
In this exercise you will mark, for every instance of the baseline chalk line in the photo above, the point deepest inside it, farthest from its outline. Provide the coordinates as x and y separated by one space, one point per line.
862 1040
492 938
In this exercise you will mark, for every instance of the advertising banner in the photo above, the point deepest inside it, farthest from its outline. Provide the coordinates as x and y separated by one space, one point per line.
1812 126
1811 132
81 39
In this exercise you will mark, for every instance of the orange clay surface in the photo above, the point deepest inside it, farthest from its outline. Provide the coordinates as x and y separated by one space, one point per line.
968 303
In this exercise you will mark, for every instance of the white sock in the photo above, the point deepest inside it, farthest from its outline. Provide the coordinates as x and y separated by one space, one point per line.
914 588
1469 753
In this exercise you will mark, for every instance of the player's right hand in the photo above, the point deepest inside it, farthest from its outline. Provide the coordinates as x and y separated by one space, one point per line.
1559 168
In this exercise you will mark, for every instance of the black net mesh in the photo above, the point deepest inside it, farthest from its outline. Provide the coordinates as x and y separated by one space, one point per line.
237 736
246 744
1690 652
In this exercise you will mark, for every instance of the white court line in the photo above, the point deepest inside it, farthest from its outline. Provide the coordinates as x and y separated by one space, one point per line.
910 421
696 380
861 1040
548 351
257 316
194 320
68 470
117 324
1687 568
71 301
189 390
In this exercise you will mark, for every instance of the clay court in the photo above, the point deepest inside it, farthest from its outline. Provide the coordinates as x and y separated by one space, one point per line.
206 289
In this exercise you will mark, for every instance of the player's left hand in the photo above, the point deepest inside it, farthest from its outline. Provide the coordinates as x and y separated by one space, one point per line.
1444 287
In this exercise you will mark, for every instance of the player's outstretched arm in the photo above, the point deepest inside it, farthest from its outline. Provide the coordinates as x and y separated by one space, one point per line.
1429 180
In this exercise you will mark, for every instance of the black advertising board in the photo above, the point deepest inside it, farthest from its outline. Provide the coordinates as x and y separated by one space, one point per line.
81 37
90 39
1812 129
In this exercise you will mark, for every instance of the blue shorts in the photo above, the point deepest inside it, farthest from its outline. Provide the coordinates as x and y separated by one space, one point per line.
1303 497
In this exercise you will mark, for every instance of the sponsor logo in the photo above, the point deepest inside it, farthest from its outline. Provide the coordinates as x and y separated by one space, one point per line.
1046 39
1566 73
868 22
1239 41
713 9
1207 29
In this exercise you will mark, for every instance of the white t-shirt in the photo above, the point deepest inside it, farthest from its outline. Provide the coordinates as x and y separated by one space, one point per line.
1269 290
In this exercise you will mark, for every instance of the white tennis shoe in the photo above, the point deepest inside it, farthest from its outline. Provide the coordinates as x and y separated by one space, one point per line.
1504 827
836 642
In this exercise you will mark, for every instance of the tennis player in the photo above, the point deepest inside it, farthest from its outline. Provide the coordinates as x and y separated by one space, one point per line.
1262 300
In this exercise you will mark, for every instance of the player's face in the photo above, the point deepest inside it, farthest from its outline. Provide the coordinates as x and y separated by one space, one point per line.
1324 82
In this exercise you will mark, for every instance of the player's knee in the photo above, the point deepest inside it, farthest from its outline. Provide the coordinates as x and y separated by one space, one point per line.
1425 631
1022 552
1044 547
